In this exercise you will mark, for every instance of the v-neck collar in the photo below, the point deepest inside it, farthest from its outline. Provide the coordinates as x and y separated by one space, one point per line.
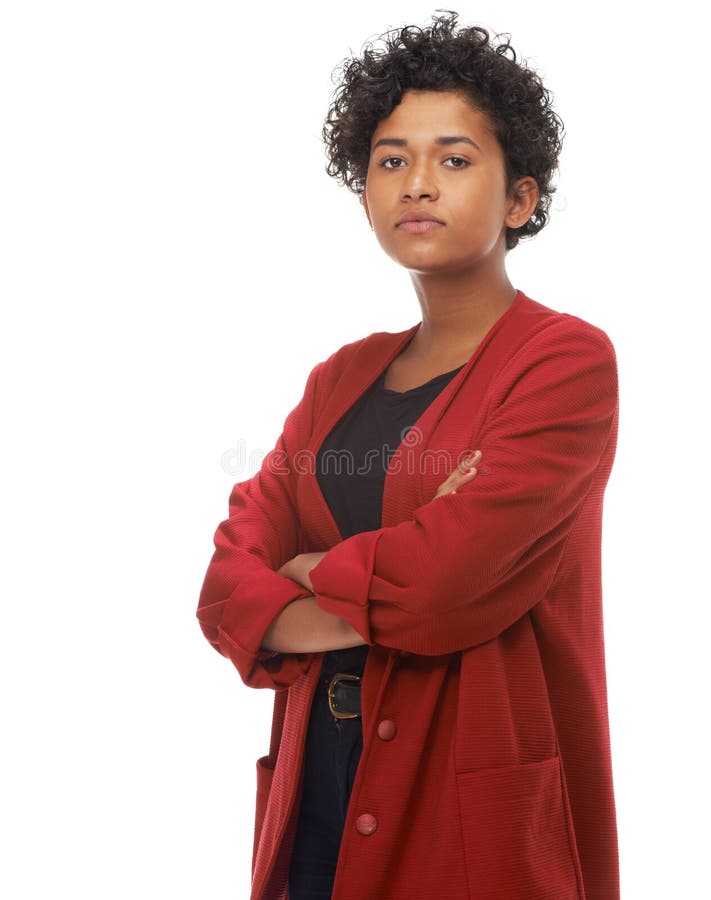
365 377
388 394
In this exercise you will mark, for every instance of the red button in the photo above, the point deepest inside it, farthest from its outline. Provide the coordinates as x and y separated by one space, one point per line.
366 824
387 730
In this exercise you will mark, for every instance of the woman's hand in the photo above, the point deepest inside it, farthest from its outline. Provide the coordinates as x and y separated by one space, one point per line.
461 475
299 566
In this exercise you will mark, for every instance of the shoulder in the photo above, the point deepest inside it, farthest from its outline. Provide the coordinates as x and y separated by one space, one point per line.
545 355
548 330
358 353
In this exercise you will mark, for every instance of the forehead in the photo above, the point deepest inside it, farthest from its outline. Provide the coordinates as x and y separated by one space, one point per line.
423 116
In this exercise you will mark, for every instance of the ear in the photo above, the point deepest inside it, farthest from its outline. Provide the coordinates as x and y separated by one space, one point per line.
524 199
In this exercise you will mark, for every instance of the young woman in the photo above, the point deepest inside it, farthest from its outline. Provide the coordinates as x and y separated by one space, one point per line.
428 609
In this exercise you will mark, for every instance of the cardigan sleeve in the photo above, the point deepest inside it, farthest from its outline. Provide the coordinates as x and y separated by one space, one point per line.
242 592
467 565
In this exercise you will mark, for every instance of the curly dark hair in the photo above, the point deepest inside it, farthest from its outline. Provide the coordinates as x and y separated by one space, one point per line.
511 95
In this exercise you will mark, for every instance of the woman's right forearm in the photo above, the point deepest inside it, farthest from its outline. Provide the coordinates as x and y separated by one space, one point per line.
303 627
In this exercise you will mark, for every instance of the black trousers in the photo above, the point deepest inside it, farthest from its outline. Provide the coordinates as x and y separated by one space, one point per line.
332 752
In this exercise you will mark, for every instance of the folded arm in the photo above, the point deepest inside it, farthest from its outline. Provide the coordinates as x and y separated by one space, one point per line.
303 627
467 565
242 592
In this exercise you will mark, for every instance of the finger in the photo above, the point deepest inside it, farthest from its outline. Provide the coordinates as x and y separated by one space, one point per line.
457 477
464 478
470 461
459 474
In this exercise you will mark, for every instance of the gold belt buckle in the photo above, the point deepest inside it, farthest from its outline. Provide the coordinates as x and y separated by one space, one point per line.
340 676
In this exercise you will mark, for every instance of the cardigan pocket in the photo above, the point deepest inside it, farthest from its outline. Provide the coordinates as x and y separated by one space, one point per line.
517 842
265 775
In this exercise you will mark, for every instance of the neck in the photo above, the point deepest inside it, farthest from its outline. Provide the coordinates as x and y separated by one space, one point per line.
456 313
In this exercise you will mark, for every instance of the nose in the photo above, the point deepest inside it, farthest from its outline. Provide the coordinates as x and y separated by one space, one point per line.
419 183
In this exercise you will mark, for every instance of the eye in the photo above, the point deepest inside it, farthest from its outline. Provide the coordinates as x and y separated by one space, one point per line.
388 159
461 160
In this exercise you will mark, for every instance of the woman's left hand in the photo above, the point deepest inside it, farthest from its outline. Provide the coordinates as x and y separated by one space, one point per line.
299 566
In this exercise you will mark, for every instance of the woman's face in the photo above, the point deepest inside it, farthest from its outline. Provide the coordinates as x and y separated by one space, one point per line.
435 153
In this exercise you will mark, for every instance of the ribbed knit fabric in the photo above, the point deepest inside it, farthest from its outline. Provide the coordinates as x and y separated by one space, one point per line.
486 769
351 466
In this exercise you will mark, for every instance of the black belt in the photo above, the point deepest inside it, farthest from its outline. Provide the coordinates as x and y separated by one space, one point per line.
344 696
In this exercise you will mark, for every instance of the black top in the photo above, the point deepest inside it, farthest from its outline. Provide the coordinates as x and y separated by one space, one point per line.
351 466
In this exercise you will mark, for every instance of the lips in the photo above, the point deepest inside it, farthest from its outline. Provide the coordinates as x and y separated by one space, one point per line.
420 226
418 216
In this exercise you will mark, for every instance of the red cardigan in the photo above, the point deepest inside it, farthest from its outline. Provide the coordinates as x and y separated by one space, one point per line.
492 779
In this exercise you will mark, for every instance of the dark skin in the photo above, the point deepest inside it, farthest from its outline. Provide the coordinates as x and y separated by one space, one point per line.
458 272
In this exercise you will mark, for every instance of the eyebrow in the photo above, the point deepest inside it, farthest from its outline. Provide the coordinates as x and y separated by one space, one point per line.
442 141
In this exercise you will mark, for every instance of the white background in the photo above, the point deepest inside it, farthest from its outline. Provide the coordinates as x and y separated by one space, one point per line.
175 261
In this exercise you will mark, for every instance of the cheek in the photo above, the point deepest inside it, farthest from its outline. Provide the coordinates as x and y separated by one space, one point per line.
478 217
478 203
470 224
